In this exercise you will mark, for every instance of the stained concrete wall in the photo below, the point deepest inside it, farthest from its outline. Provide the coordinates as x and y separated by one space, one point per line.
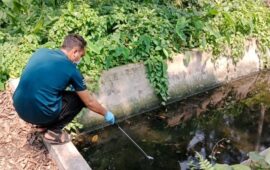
126 91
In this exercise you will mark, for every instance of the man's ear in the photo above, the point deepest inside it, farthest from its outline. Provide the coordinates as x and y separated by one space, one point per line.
73 52
76 50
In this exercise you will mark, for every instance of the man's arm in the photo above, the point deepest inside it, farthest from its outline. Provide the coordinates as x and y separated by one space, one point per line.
91 103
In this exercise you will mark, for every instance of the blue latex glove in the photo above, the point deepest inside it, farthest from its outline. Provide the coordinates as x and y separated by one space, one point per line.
109 118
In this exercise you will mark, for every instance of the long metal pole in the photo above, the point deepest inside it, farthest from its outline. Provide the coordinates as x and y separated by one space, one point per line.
142 151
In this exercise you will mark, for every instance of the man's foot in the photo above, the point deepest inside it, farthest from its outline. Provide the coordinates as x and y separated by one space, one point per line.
41 130
56 137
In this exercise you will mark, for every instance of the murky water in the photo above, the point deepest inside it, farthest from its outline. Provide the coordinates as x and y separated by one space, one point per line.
225 123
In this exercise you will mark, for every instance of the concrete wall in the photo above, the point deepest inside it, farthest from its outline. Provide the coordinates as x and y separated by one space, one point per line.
126 91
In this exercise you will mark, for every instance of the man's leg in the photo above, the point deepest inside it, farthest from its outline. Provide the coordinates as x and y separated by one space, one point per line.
71 106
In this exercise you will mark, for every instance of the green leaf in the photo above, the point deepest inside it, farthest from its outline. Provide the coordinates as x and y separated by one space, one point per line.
70 6
164 68
228 18
2 86
240 167
108 62
198 24
158 48
126 52
165 52
212 11
254 156
18 6
181 23
146 40
39 25
68 127
9 3
95 47
203 42
118 52
181 35
51 21
116 37
222 167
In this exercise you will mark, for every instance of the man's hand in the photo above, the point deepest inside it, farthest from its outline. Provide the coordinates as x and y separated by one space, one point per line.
109 118
92 104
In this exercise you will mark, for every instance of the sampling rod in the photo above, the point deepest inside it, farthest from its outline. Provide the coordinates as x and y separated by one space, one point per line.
142 151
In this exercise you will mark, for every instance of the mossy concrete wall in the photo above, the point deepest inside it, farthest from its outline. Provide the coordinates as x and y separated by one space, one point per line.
126 91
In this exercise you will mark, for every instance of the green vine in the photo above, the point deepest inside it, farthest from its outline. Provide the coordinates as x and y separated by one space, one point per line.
157 75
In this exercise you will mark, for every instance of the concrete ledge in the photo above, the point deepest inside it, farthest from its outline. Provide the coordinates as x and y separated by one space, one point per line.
66 156
126 91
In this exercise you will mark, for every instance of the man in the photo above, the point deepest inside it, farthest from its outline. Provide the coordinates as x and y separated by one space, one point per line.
41 97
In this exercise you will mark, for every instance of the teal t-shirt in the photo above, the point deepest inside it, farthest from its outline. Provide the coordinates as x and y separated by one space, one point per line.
47 74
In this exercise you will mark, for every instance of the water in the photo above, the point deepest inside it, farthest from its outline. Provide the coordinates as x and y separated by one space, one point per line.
225 123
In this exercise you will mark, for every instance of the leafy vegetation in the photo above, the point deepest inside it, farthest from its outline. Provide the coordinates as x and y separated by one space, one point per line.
74 127
257 161
121 32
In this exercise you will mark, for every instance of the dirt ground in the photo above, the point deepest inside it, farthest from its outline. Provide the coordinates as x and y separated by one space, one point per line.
20 147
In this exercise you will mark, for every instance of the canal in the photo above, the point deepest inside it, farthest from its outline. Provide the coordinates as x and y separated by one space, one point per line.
223 125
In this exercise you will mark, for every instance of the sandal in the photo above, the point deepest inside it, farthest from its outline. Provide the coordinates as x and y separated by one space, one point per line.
60 137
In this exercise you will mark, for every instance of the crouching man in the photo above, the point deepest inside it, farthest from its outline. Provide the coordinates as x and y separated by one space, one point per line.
41 97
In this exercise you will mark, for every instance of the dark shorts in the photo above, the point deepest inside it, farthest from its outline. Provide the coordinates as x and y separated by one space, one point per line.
71 106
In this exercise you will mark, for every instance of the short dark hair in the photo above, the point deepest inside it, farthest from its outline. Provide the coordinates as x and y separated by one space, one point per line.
74 40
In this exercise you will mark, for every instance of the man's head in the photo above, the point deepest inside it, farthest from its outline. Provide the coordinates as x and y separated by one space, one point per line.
74 47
